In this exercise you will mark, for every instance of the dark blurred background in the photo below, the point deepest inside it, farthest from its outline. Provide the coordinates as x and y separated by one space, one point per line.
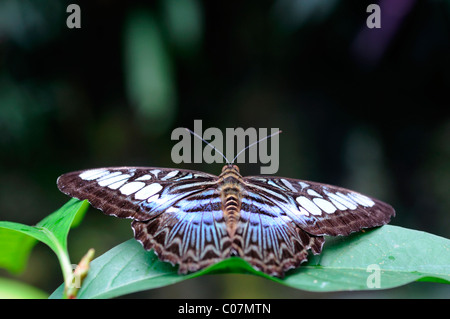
362 108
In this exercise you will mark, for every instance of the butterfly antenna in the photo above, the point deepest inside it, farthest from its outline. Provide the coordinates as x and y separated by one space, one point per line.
212 146
254 143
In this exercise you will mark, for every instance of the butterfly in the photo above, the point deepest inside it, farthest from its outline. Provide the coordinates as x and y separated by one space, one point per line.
195 219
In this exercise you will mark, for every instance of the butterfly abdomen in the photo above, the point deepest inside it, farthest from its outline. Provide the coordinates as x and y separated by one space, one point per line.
231 207
231 195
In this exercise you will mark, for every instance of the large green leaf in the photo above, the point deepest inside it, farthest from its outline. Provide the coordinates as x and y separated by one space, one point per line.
398 255
16 240
385 257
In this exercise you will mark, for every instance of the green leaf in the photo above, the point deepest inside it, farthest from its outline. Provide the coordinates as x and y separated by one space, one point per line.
17 239
124 269
398 255
15 247
12 289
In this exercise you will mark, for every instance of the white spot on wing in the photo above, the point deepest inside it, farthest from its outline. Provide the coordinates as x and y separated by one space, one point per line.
93 174
349 199
148 191
303 185
170 175
108 181
361 199
131 188
145 177
345 200
108 176
325 205
115 179
153 198
118 184
313 193
288 185
155 172
337 201
338 204
309 205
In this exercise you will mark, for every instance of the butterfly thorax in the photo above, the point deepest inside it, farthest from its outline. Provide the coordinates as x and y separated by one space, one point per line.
231 191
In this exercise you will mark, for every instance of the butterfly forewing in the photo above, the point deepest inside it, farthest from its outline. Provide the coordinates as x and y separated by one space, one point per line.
138 193
320 209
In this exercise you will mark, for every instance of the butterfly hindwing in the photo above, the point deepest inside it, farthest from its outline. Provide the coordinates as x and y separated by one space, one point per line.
191 233
320 209
270 241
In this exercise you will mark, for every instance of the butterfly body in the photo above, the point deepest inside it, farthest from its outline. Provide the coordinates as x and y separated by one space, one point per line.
231 191
195 219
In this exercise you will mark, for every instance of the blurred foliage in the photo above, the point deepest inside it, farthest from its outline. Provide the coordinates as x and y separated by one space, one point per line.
149 74
363 108
11 289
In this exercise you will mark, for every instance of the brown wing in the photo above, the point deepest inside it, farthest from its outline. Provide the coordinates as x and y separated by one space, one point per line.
175 212
138 193
269 240
321 209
